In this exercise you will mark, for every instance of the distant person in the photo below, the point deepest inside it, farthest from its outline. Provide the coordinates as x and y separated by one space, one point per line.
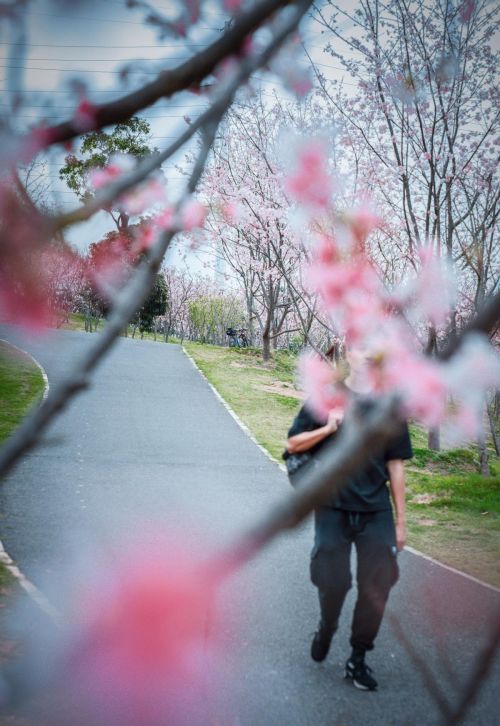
361 514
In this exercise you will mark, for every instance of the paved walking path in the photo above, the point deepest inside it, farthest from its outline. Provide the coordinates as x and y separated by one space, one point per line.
150 443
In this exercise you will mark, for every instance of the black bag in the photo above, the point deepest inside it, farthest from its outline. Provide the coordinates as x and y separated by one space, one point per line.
295 463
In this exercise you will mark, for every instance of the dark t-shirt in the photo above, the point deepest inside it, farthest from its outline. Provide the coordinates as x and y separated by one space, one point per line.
366 490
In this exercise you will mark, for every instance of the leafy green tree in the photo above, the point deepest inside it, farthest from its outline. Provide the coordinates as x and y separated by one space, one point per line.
154 306
131 138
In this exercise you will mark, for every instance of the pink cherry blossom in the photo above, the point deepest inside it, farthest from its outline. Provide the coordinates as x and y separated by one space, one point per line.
38 139
85 115
309 181
232 211
146 236
102 177
165 219
193 215
362 220
23 282
231 5
138 649
143 197
320 383
466 10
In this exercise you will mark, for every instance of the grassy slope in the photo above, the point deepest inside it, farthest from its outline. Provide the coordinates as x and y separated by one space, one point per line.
453 512
21 385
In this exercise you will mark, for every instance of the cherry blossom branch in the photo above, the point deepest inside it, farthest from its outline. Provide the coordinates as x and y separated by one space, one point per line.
184 76
421 664
132 296
486 321
358 438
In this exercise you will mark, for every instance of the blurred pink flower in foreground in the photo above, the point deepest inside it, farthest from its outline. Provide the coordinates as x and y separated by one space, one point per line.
85 115
320 385
140 649
433 392
192 215
143 197
24 236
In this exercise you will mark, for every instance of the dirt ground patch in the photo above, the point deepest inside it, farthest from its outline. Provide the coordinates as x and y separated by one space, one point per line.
426 498
284 389
427 522
250 367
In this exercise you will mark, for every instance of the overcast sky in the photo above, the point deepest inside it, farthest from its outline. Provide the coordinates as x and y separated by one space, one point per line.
92 41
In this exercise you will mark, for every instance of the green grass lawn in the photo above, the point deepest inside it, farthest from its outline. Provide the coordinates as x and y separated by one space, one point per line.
453 512
21 386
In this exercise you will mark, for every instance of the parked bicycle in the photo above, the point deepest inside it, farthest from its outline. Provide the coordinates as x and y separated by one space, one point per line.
237 337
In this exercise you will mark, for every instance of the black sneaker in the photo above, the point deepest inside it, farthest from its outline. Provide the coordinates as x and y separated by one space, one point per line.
360 674
321 643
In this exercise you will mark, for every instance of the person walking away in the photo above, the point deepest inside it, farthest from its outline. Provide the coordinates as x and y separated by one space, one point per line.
360 515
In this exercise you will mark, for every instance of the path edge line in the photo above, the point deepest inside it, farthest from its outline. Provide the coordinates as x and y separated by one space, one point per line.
247 431
232 413
413 551
30 589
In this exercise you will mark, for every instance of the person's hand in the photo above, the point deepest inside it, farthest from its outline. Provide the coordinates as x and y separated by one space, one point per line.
335 418
400 535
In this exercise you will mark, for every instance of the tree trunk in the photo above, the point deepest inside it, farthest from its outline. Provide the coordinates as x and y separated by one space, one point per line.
266 346
483 455
494 435
134 330
434 439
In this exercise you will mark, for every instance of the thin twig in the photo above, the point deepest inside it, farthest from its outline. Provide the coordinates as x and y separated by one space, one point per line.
422 667
484 662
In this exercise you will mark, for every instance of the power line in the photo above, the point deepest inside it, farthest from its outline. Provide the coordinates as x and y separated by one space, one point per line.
86 70
55 45
158 46
131 60
95 60
72 108
77 18
46 116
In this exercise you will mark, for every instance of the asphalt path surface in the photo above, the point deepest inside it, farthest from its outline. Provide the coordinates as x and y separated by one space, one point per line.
148 447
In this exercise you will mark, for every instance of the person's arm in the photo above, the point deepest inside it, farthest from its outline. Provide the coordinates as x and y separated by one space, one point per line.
307 439
396 469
